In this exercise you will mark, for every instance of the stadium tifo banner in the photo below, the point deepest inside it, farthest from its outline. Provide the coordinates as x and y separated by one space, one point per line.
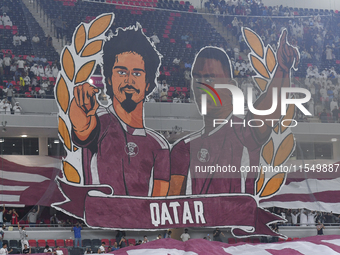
118 171
310 245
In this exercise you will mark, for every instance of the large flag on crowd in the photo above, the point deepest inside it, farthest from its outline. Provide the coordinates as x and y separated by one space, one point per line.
310 245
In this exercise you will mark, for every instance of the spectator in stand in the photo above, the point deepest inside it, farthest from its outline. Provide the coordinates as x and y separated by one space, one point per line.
155 38
303 218
323 116
159 237
21 65
115 247
320 227
119 236
32 216
88 251
58 251
23 236
16 40
335 113
145 240
9 92
101 248
7 65
185 236
6 21
4 251
49 41
26 250
47 249
175 97
2 212
217 235
41 71
311 218
122 242
295 217
36 39
54 220
77 234
2 234
109 249
164 96
15 216
55 71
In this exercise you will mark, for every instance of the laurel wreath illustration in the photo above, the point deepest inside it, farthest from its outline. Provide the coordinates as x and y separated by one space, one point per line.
281 143
78 62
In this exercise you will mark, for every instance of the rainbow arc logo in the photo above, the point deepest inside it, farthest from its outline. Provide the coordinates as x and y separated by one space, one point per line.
209 93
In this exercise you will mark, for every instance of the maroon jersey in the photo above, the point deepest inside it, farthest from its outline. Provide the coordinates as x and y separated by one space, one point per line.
225 146
123 157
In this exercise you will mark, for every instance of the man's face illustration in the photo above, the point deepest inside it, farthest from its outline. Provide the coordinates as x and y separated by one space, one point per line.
128 80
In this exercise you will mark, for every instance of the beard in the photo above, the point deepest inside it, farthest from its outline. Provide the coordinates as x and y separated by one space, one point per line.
128 104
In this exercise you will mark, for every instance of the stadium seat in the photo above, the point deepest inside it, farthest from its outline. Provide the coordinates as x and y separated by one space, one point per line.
106 241
295 238
132 241
86 243
95 243
16 251
171 89
112 241
14 244
289 239
32 243
60 242
41 243
69 242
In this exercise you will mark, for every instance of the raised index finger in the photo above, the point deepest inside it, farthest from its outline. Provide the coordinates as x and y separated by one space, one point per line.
283 39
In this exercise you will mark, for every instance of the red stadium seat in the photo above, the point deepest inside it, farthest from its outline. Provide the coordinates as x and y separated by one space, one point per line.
112 241
179 89
171 89
28 94
14 27
132 241
36 89
165 36
51 79
171 18
60 242
172 40
289 239
169 94
69 243
184 89
2 27
41 243
32 243
295 238
166 32
107 242
8 27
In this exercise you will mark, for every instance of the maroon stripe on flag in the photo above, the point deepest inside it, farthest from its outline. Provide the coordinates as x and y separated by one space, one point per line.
10 192
285 251
326 197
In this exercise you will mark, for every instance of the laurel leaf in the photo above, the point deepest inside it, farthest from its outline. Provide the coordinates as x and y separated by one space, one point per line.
85 72
63 95
68 64
284 150
254 42
63 131
262 83
99 25
260 181
270 59
273 185
80 38
268 151
71 173
92 48
289 116
259 67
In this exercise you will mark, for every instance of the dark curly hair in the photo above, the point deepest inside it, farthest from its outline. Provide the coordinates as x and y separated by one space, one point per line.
131 39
